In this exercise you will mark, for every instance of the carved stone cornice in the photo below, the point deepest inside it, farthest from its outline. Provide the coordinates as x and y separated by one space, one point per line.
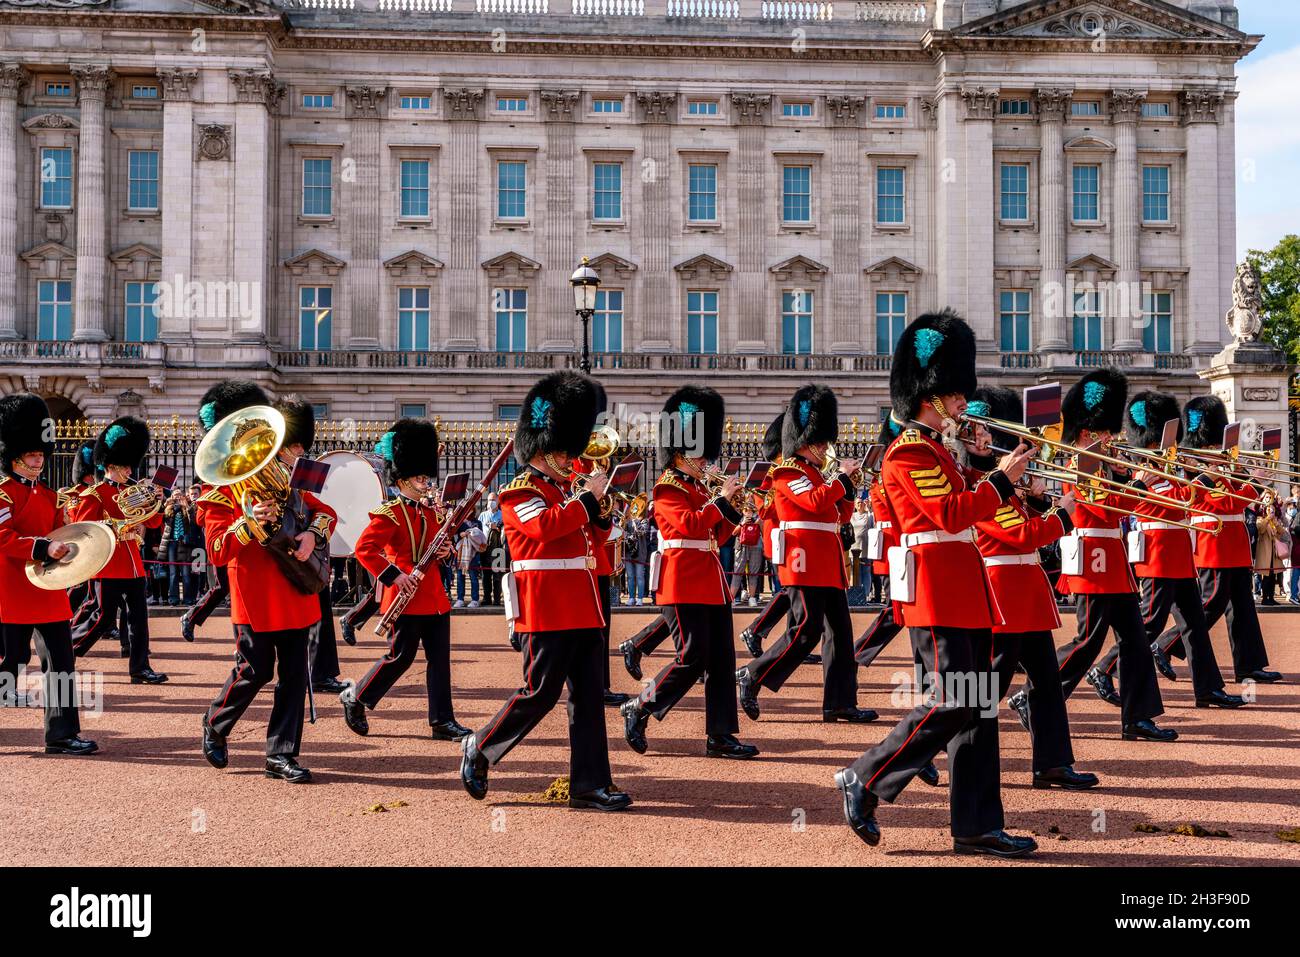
92 81
1053 103
366 102
1201 106
12 80
930 111
462 104
844 110
558 104
750 109
1126 105
657 107
177 83
981 104
254 86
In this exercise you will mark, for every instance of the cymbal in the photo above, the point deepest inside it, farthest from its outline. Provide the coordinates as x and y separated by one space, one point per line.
91 545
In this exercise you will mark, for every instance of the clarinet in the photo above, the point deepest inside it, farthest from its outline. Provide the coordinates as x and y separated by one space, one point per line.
407 592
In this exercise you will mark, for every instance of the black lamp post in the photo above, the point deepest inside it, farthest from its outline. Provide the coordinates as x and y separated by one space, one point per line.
585 282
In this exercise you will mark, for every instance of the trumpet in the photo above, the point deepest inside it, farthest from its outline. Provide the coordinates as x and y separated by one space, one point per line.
714 480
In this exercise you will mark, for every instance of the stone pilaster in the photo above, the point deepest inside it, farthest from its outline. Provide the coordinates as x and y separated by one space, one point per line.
1126 302
754 309
256 94
1054 312
847 331
1200 116
12 80
177 196
564 217
466 304
361 200
981 106
90 298
657 302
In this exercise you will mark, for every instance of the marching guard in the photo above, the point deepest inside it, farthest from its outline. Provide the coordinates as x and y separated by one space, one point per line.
552 536
778 606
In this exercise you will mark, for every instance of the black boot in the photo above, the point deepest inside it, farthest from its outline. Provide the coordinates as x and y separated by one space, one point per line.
148 677
449 730
615 699
1220 699
187 626
74 745
1019 703
214 746
354 712
634 725
631 659
1103 685
286 768
996 843
1261 676
748 693
726 746
601 799
1163 664
329 686
859 806
850 715
753 644
473 769
346 630
1147 731
929 774
1065 778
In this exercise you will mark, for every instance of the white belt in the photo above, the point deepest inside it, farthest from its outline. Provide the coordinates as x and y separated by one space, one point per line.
553 564
810 527
934 538
698 544
1211 519
884 524
1158 527
992 561
1098 533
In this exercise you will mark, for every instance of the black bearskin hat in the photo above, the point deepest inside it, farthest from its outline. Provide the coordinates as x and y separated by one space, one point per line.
772 439
227 396
409 448
24 419
1095 404
557 416
299 422
811 417
935 356
124 442
691 424
997 403
1205 417
1144 424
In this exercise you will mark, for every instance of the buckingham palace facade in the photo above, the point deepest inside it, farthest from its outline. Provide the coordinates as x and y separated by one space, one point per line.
377 204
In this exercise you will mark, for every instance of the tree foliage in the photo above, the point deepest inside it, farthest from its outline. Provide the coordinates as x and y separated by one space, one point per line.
1279 275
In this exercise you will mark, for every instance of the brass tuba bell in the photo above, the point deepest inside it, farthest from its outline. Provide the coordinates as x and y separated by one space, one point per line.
239 453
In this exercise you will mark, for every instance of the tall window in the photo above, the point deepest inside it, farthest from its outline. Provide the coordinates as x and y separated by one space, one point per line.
796 322
317 187
1087 187
1087 322
796 194
703 193
1015 192
56 178
54 309
1013 320
142 179
891 319
607 201
413 318
512 189
141 312
702 321
890 195
315 317
1155 194
415 189
607 321
1158 310
511 309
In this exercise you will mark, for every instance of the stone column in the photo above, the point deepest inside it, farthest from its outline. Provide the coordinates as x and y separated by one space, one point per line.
466 306
177 192
90 298
12 80
1126 300
1200 221
360 201
981 105
656 302
563 218
1053 310
949 204
754 310
257 94
848 326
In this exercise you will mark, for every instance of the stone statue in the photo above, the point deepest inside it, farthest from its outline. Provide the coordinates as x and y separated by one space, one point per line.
1247 303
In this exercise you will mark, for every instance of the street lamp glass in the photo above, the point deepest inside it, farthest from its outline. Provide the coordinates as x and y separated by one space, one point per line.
585 282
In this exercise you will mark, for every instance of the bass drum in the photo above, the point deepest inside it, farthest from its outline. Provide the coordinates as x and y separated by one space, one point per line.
354 488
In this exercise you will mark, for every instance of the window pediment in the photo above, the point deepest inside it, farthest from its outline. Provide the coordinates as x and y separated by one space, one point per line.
703 266
608 263
314 261
511 266
413 264
894 268
798 268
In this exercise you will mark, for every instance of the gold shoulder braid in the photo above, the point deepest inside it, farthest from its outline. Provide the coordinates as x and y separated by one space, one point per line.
910 437
386 510
668 478
788 462
217 496
524 480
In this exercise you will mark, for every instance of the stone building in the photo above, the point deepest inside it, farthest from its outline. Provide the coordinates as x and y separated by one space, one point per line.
377 204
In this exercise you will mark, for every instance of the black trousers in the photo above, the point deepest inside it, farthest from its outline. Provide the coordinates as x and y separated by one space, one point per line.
776 608
1182 597
882 630
657 632
491 593
953 717
1049 724
552 660
54 648
818 614
256 657
110 594
433 632
603 586
705 645
1098 614
364 610
1229 591
212 598
324 642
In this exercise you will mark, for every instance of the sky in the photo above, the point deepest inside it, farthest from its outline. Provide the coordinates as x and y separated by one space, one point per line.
1268 126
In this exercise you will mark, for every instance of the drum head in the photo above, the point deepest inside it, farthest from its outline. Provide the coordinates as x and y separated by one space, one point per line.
353 488
92 545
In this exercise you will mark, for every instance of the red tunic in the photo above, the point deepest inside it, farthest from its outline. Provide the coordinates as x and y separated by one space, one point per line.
927 492
885 522
1169 550
260 596
684 512
1231 547
1023 592
813 557
28 512
1105 560
99 502
398 534
542 524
